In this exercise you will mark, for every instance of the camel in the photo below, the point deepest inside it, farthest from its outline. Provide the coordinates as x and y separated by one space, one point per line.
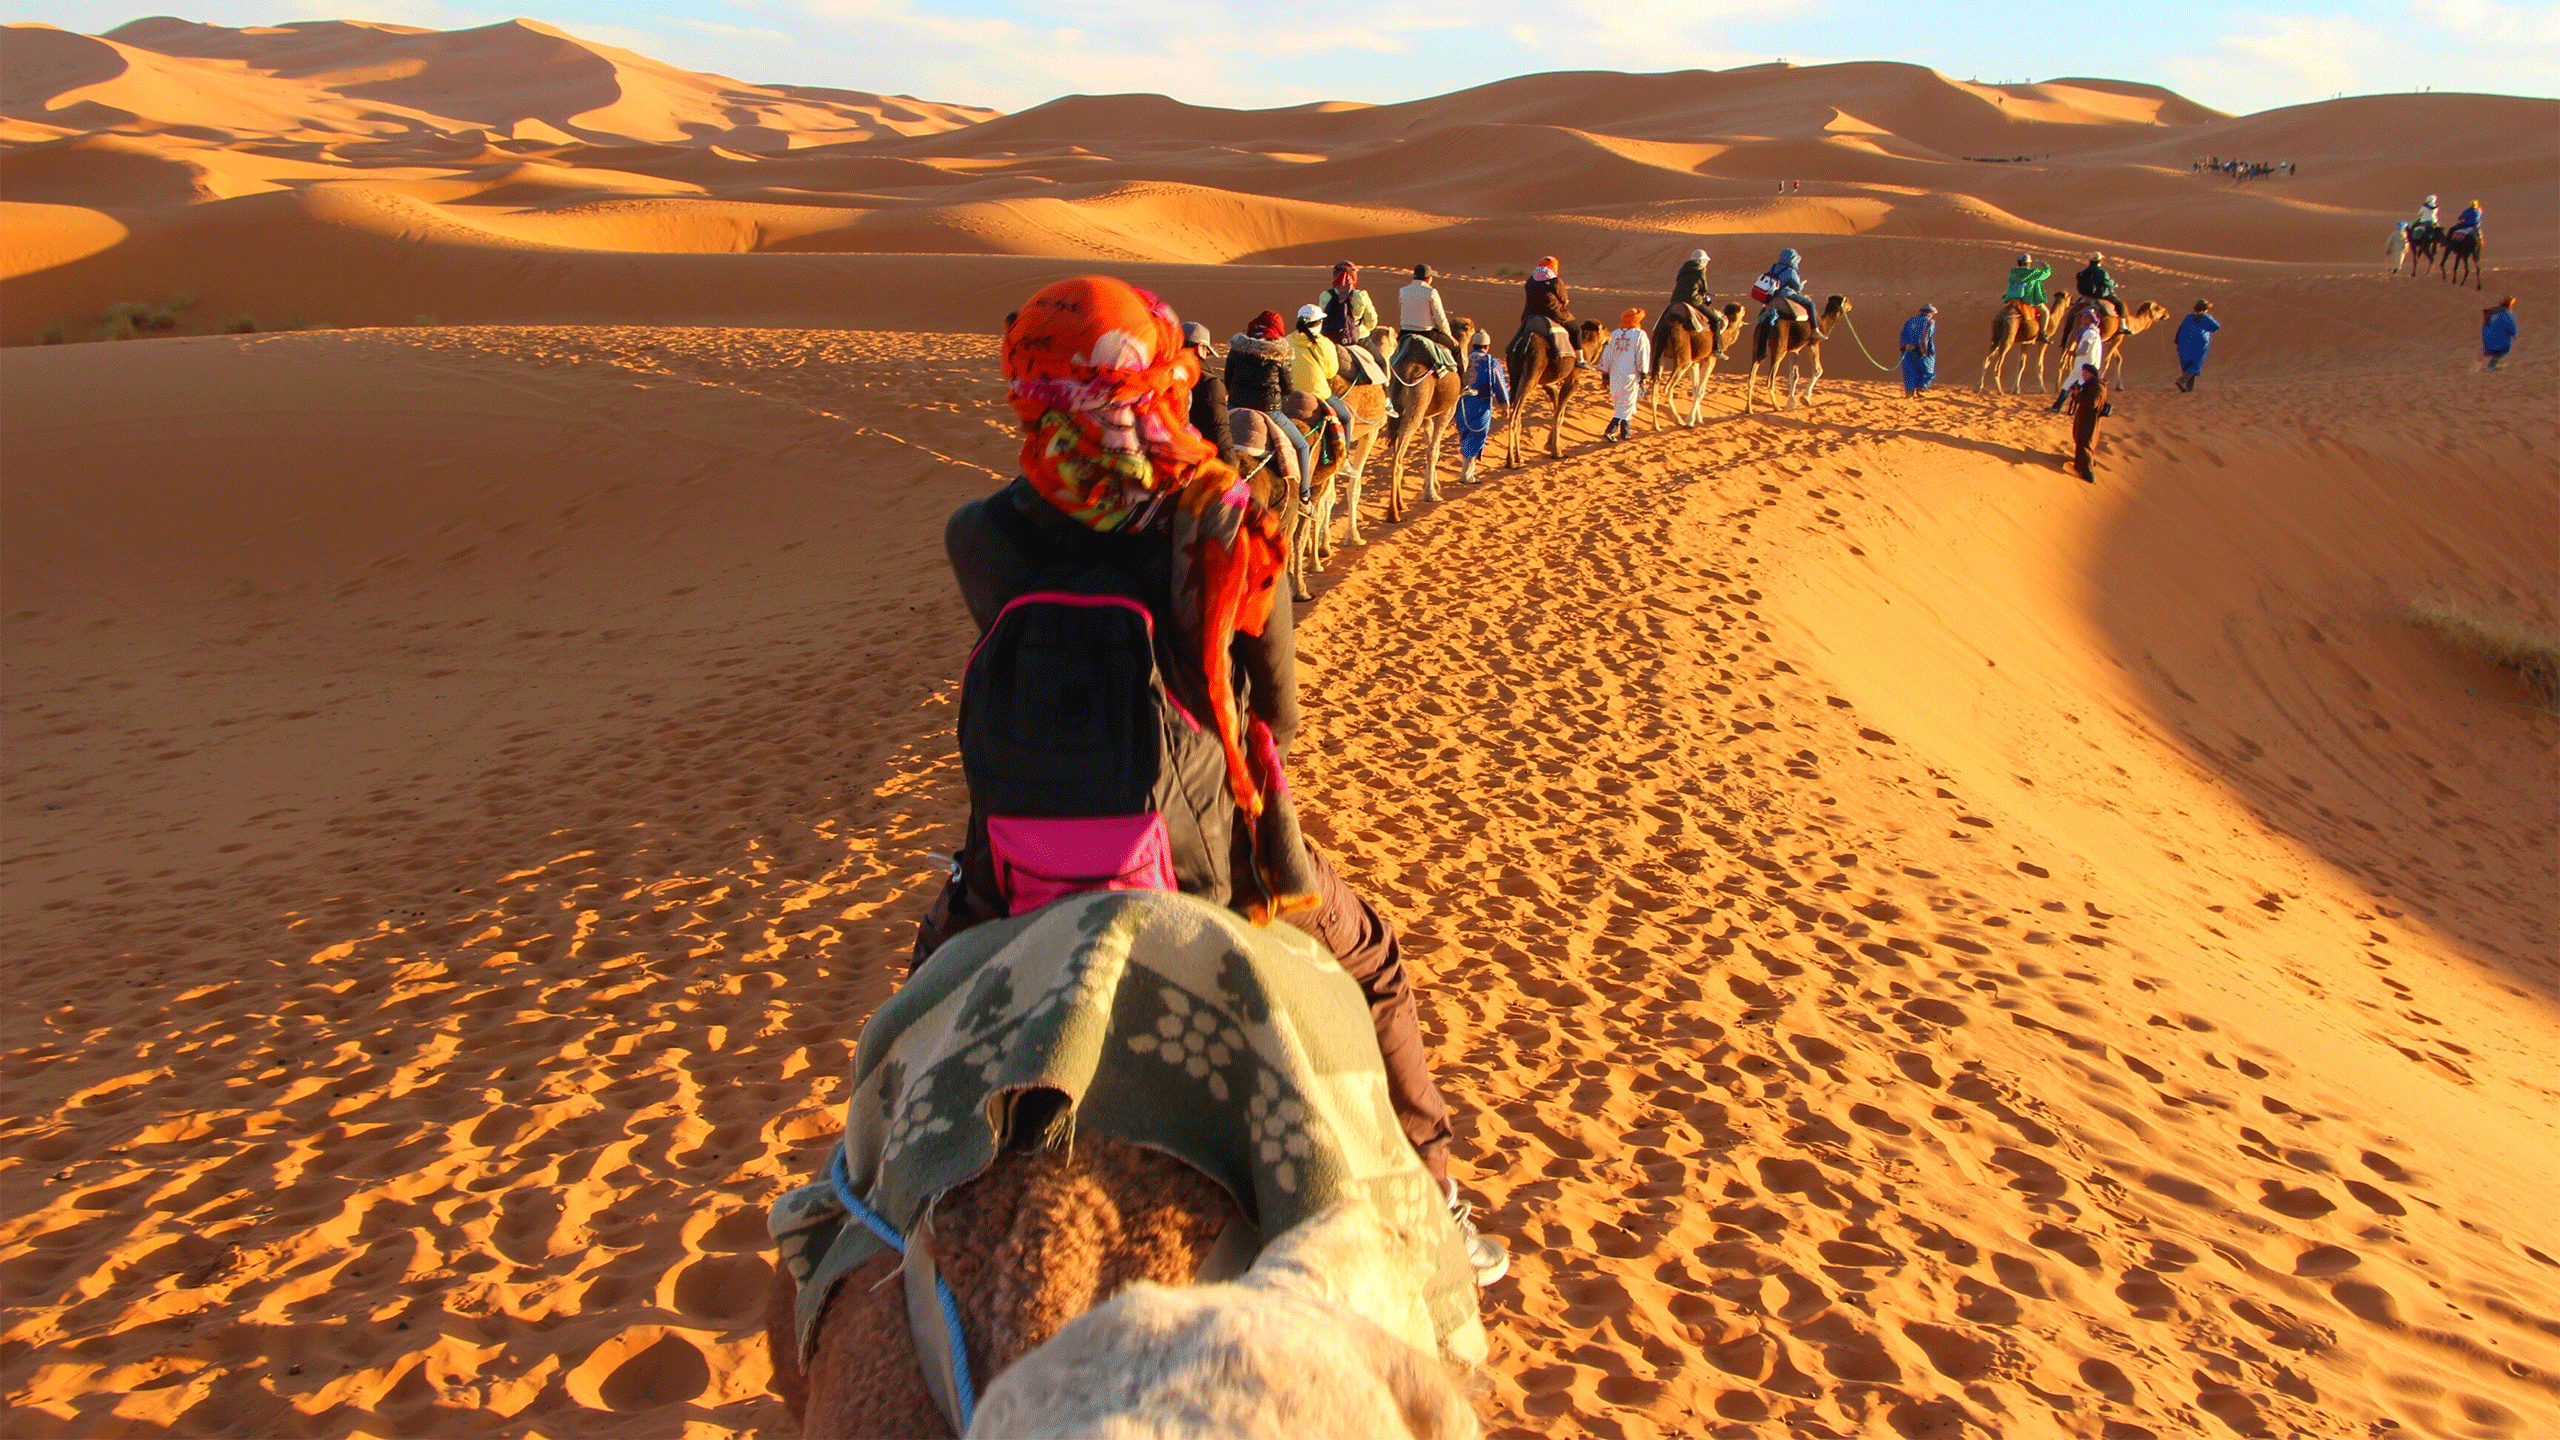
2114 330
1680 351
2426 247
1791 342
2018 327
2462 257
1424 403
1534 360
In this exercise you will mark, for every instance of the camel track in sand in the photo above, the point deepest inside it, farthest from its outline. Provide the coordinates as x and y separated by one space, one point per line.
1820 1087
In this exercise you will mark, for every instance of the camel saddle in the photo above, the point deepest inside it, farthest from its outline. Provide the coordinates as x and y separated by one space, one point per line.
1684 315
1430 352
1557 336
1787 307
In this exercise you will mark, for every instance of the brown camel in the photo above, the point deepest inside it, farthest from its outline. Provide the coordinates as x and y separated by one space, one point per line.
1793 343
1040 1238
2462 257
2113 330
1424 403
1680 351
2018 327
1534 360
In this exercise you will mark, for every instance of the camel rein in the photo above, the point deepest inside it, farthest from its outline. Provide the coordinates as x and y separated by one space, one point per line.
1861 344
964 1396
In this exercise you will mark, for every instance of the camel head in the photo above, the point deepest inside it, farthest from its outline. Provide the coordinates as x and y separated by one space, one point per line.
1832 310
1460 329
2145 315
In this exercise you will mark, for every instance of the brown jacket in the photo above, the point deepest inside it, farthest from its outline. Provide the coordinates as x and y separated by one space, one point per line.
1547 297
2086 402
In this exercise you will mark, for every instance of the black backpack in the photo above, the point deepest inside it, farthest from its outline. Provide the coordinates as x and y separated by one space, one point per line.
1085 771
1341 324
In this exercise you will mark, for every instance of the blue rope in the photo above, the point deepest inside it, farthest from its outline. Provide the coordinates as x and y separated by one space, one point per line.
842 1181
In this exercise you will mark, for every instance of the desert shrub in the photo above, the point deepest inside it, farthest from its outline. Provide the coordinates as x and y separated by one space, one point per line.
2499 641
127 319
51 333
425 322
239 325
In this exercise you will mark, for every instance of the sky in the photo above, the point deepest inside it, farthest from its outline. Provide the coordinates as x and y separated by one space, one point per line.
1012 54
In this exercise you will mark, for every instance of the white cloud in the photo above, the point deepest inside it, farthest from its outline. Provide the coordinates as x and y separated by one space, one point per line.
2286 60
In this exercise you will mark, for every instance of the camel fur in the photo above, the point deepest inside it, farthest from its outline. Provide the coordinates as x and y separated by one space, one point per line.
1040 1238
1424 403
1787 341
2112 331
1369 413
1679 351
2018 327
1325 1335
1534 362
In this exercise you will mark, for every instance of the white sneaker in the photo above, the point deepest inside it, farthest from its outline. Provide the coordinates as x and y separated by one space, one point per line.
1486 1255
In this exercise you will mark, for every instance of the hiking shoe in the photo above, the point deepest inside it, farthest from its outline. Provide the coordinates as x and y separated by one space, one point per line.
1486 1255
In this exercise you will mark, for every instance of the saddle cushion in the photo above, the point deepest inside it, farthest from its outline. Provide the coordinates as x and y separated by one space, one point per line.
1163 1020
1427 350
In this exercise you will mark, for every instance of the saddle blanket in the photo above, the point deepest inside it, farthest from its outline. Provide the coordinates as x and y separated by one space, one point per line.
1244 1051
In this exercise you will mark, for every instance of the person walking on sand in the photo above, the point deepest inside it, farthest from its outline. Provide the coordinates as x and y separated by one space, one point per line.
2497 333
1488 390
2195 337
1625 362
1114 484
1919 351
2399 248
2088 406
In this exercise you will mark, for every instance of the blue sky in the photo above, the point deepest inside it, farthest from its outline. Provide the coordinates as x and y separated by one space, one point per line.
1015 53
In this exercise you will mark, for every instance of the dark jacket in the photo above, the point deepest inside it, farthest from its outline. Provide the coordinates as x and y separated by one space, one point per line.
1547 297
2087 402
1009 543
2095 282
1209 415
1257 373
1691 287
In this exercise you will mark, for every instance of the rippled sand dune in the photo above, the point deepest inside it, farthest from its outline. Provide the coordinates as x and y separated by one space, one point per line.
1920 946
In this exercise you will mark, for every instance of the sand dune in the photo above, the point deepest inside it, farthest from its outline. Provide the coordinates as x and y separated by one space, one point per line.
165 124
1919 946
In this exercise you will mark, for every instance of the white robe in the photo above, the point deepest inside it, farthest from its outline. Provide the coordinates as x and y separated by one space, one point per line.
1625 362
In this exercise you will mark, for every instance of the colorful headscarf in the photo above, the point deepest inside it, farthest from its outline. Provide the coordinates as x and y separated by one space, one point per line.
1345 274
1099 374
1267 326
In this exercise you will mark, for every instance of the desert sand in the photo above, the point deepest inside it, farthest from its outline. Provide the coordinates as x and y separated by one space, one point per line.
1920 946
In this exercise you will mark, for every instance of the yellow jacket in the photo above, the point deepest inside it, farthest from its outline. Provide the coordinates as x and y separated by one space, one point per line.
1313 363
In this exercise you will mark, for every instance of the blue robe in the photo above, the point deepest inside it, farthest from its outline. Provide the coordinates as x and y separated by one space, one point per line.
2195 337
1487 384
1919 353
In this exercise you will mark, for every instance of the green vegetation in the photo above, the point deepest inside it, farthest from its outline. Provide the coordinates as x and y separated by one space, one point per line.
129 319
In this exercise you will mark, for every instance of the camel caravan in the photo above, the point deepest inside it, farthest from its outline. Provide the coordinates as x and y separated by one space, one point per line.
1148 1143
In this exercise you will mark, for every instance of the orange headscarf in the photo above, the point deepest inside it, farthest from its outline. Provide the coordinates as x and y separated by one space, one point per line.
1098 372
1631 319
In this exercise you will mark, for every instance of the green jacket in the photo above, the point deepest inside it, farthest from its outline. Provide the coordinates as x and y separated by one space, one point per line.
2026 282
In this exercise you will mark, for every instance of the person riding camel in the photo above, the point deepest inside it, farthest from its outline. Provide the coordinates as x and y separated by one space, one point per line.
1545 296
2427 212
1420 311
1782 290
1689 288
2466 223
1315 363
1118 497
2094 283
1258 365
2026 281
1349 314
1209 394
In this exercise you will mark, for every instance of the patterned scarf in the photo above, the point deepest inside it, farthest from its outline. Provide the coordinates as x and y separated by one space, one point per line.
1100 376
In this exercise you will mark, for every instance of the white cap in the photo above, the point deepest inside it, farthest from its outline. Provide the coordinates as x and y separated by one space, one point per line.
1309 312
1698 256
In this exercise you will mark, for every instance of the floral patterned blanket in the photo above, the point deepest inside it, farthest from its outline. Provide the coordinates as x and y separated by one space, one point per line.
1165 1021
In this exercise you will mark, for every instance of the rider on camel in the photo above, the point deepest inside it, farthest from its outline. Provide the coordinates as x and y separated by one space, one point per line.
1785 285
2468 222
1362 312
1420 311
2427 212
1546 300
2094 283
1690 288
2026 281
